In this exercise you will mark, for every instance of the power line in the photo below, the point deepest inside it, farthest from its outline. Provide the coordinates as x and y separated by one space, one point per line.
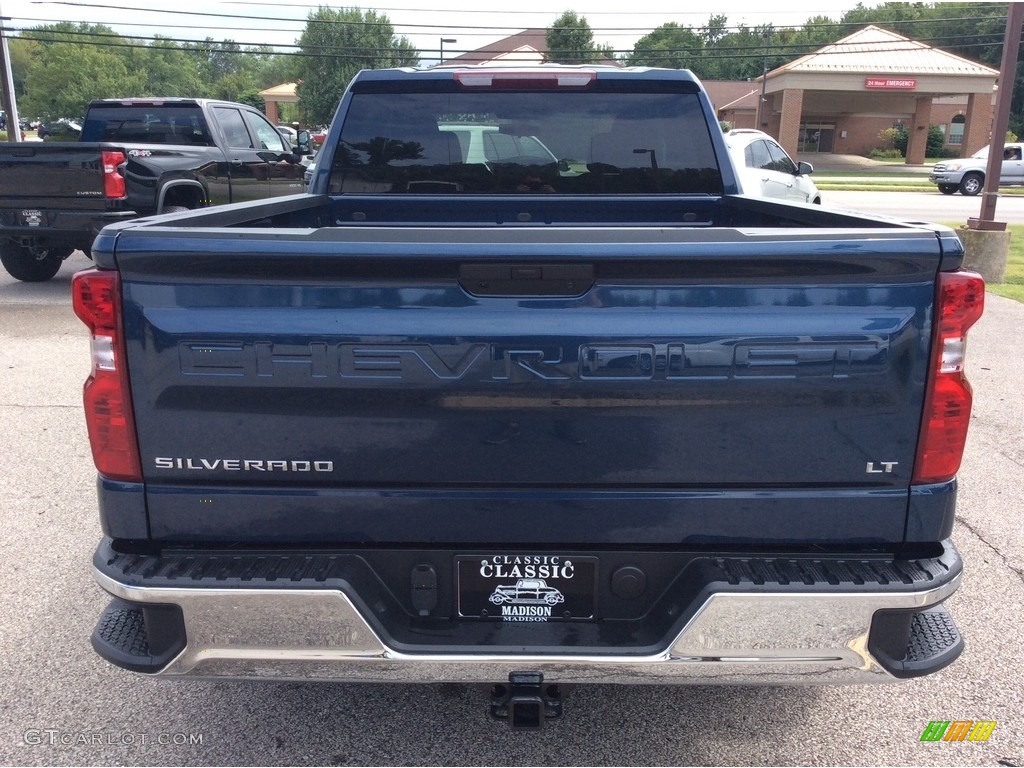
252 47
454 27
451 27
738 51
151 25
366 55
741 53
491 31
57 35
503 12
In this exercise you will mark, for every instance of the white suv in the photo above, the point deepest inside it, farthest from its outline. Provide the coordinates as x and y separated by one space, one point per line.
765 170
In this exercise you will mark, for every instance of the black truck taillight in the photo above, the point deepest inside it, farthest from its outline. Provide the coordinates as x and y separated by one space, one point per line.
113 182
96 298
960 301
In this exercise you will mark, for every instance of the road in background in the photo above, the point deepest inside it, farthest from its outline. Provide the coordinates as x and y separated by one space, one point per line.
932 206
63 705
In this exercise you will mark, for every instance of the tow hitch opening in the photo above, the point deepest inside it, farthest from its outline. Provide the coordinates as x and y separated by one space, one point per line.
525 702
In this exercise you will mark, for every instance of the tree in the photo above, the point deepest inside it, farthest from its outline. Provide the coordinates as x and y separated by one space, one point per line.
336 44
900 18
570 40
221 58
23 51
225 69
605 53
713 32
817 32
736 55
276 69
67 73
232 86
670 45
168 71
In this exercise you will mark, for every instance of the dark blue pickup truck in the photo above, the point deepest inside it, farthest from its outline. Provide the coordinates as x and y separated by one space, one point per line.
525 392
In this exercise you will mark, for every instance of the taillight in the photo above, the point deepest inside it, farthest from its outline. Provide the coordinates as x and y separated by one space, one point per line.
960 300
113 181
96 298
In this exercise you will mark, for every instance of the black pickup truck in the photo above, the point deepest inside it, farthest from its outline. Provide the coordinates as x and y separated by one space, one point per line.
136 157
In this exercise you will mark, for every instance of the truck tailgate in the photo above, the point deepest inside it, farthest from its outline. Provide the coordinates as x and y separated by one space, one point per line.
563 385
34 171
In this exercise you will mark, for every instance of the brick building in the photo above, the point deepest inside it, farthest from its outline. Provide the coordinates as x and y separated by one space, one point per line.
527 47
840 97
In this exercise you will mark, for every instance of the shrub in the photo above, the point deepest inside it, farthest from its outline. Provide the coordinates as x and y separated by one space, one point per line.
884 154
936 142
895 138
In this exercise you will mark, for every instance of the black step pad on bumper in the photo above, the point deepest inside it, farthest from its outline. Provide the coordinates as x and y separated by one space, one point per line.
139 638
924 641
329 570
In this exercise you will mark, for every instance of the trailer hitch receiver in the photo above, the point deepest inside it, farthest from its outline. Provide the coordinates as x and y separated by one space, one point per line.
525 701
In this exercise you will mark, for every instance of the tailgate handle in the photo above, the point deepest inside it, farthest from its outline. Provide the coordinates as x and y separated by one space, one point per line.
526 279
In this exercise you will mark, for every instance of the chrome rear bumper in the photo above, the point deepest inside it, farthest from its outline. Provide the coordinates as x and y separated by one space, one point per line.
304 634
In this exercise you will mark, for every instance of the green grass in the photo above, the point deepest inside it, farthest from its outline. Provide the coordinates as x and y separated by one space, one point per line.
872 186
874 174
1012 286
875 180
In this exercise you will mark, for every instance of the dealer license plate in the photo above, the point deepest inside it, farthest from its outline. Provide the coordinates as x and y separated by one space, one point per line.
525 588
31 217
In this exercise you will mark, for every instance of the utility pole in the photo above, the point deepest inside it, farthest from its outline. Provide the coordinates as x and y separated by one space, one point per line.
987 241
1007 79
10 105
440 58
760 121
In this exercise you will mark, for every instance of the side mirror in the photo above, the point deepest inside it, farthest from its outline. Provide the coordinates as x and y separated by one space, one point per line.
302 143
803 169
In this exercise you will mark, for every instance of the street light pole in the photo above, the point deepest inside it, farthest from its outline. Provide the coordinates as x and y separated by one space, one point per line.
10 103
440 58
764 84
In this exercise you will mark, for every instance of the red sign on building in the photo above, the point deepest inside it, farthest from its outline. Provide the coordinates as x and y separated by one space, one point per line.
891 83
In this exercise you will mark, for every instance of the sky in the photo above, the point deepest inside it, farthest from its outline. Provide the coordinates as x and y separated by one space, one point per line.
424 22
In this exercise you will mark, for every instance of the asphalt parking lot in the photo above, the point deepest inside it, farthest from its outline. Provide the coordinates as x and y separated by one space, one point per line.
63 705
